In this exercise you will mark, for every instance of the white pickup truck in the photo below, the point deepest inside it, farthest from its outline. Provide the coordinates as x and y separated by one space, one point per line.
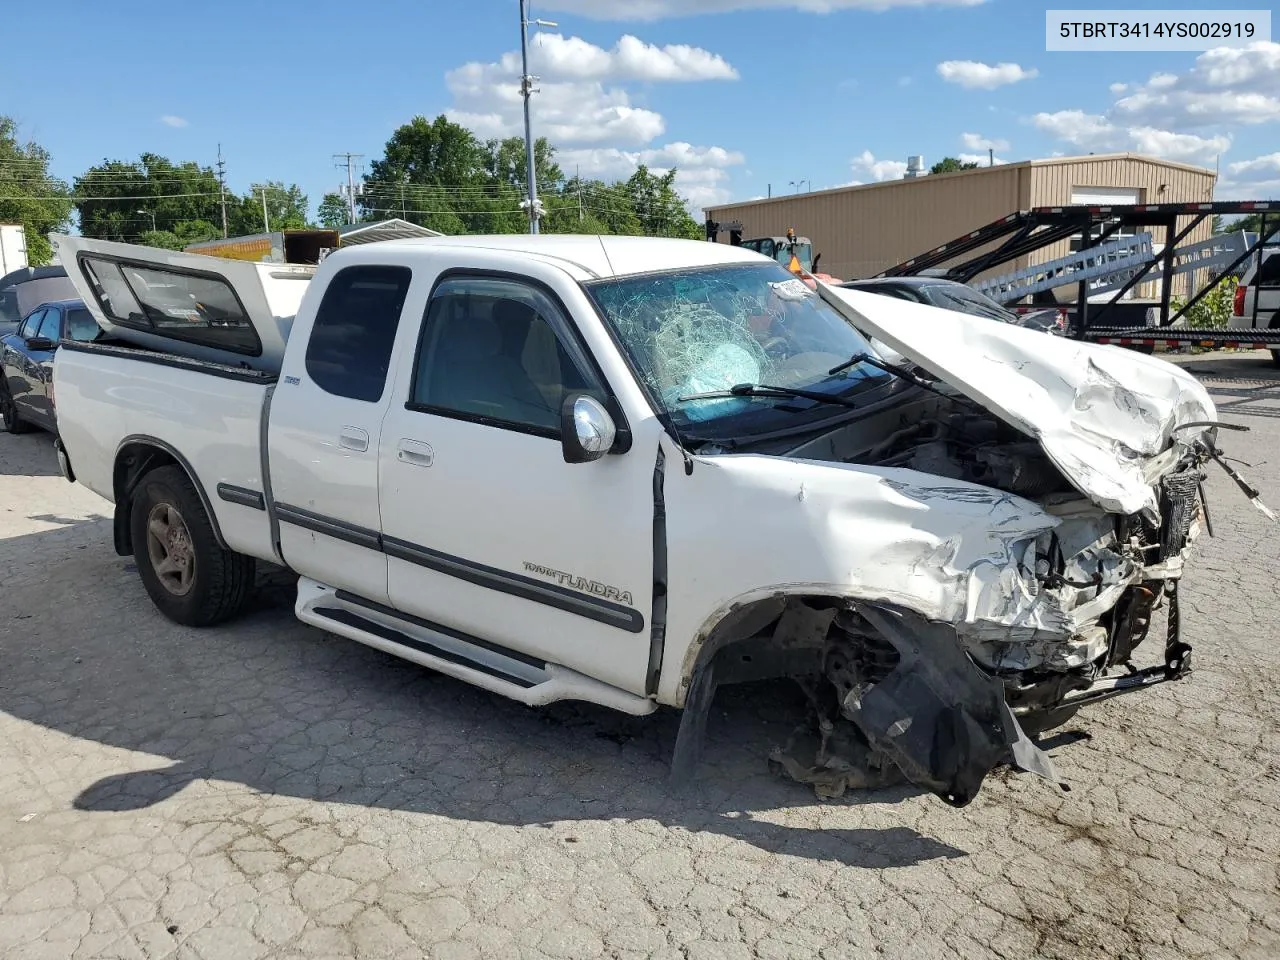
628 470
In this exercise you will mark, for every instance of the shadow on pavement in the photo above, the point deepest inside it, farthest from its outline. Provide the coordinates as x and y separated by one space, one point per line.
285 709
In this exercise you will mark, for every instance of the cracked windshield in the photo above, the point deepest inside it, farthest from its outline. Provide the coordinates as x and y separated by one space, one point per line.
703 331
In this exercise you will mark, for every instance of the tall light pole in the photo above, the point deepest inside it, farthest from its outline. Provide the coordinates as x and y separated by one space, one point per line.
526 90
152 215
800 183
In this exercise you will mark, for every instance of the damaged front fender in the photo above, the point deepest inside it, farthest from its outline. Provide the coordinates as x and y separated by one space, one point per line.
942 721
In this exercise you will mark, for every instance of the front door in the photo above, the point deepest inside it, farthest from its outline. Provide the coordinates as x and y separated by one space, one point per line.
487 529
324 424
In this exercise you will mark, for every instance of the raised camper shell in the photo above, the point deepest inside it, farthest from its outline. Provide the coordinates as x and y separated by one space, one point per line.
205 308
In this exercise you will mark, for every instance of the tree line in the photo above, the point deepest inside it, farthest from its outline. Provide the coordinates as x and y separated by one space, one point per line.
434 173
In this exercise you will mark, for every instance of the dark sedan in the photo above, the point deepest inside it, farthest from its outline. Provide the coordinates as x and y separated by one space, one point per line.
26 362
951 295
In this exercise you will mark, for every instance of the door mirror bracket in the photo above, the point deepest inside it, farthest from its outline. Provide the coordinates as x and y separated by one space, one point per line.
587 431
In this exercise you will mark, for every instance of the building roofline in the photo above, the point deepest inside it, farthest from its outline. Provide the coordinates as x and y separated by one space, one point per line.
977 171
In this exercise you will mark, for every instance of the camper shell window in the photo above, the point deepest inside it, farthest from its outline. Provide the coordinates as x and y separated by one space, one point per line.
180 304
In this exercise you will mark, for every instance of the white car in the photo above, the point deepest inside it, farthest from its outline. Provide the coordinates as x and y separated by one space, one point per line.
627 470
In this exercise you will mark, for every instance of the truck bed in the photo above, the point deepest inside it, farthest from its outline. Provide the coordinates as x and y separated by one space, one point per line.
209 416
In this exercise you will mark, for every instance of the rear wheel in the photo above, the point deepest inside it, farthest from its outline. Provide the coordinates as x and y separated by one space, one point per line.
1275 357
9 413
189 577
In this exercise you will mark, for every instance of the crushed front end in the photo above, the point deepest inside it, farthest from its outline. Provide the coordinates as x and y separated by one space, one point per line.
1025 637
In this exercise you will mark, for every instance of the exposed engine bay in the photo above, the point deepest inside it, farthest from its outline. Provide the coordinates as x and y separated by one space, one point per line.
1028 637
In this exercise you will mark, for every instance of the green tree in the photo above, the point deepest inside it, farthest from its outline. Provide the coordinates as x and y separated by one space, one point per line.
286 209
592 207
433 173
951 165
122 200
658 207
333 212
28 194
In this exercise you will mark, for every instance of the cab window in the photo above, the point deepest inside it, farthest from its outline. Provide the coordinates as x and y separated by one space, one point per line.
500 352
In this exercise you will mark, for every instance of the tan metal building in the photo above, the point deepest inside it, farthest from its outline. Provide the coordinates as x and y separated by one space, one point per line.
862 230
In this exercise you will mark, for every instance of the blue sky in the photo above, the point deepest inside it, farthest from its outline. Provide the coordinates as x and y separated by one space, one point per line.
740 95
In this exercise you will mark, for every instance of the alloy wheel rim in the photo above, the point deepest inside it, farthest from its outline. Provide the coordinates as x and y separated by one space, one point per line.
169 546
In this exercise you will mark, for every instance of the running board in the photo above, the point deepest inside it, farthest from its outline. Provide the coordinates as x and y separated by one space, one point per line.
487 665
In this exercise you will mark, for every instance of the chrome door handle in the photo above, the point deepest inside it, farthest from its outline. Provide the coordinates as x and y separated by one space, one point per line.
415 452
353 438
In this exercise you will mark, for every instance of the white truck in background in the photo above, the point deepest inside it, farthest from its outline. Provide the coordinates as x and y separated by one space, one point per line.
13 247
1257 298
628 470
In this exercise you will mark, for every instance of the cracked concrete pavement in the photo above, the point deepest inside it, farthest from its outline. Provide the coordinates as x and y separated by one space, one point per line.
266 790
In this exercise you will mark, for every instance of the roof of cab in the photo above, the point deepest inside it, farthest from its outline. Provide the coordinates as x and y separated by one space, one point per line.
592 256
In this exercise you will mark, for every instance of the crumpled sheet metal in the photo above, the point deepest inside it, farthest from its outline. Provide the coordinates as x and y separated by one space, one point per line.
951 551
1098 411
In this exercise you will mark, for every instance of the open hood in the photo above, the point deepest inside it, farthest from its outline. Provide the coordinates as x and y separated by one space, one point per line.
1099 412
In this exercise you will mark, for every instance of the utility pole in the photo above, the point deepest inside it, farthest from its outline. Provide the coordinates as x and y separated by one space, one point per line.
991 156
577 178
526 90
349 160
266 224
222 189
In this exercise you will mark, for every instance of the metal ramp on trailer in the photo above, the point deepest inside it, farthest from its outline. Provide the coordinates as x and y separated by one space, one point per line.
1026 231
1108 266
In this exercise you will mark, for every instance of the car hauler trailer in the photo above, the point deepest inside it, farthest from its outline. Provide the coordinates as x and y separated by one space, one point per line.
1112 318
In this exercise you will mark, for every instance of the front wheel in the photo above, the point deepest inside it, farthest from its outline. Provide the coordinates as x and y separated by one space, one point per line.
1275 357
189 577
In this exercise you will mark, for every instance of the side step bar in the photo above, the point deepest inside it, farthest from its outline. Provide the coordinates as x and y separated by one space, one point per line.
487 665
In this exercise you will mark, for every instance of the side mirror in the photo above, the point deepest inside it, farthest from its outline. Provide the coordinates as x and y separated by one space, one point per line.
587 431
40 344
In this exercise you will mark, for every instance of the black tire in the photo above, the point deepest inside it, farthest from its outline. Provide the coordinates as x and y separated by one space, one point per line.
1275 357
9 412
189 578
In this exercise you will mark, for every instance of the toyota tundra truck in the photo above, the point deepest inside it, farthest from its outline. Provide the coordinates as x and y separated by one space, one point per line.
630 470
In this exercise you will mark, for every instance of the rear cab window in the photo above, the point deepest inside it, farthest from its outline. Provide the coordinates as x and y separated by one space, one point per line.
180 304
349 350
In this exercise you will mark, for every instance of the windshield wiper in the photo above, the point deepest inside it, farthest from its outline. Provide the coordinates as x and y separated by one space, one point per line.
767 390
908 375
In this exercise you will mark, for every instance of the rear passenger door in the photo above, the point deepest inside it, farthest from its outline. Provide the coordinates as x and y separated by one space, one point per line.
324 425
40 366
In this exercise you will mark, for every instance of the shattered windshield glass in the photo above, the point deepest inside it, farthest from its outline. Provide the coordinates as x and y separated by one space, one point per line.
710 328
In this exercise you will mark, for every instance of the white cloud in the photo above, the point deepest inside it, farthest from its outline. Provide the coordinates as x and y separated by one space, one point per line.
701 172
573 105
974 75
1118 88
1267 164
981 159
976 141
566 113
1224 87
866 164
1096 133
1256 179
556 57
662 9
169 120
582 106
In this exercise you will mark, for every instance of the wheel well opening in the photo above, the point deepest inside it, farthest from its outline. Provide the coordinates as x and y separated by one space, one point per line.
133 462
